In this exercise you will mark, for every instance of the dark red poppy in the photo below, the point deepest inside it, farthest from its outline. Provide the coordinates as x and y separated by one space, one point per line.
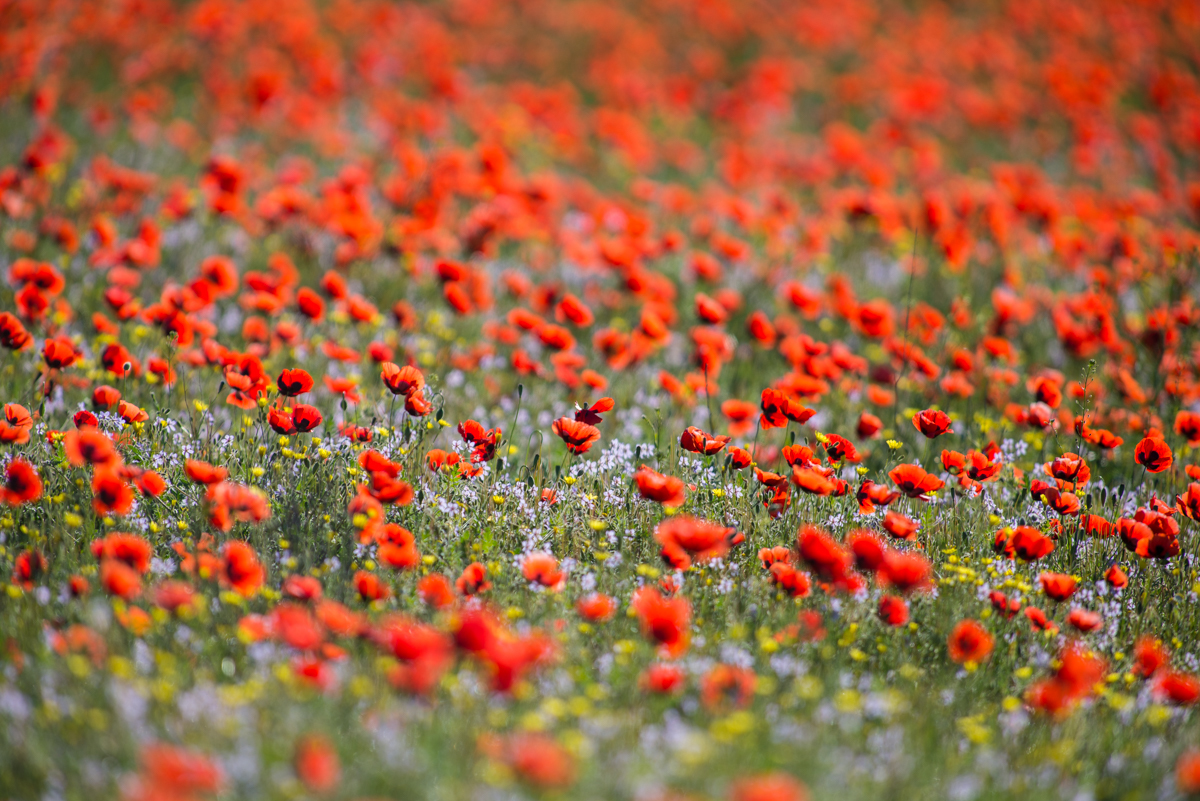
893 610
111 494
969 642
13 335
59 353
405 380
21 483
914 482
1154 454
698 441
578 436
778 410
293 382
1029 544
305 417
281 421
932 422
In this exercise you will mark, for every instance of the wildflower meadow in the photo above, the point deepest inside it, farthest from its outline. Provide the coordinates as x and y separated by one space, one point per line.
661 400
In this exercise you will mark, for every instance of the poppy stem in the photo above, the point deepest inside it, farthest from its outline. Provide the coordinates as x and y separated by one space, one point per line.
712 418
912 274
501 448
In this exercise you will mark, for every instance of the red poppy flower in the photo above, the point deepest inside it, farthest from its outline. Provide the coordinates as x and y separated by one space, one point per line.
1084 620
1187 772
953 462
760 327
120 579
435 590
905 572
241 569
1188 503
129 549
1038 620
438 459
59 353
685 538
473 580
416 405
591 414
900 526
397 545
868 549
1078 673
203 472
663 679
868 425
914 482
132 414
542 568
13 335
1149 656
305 417
1154 454
539 761
814 481
28 567
982 467
281 421
739 458
111 494
370 588
932 422
768 787
1070 471
654 486
405 380
172 595
969 642
596 607
697 441
828 559
1187 425
316 763
310 304
778 410
870 494
302 588
841 449
577 436
664 621
89 446
293 382
356 433
1003 605
1180 689
105 397
792 581
15 428
386 488
725 686
1058 586
893 610
1029 544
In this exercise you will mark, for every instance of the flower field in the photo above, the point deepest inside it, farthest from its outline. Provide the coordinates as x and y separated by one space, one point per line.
659 400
